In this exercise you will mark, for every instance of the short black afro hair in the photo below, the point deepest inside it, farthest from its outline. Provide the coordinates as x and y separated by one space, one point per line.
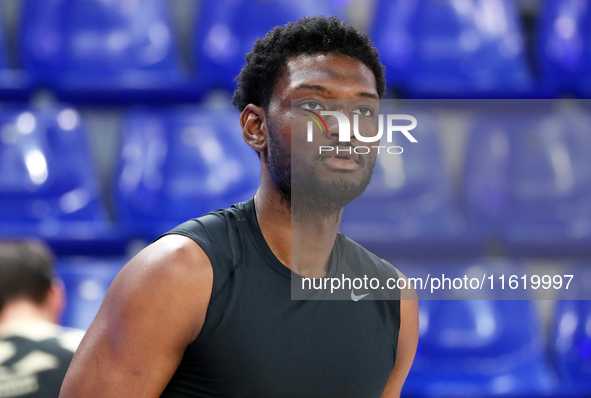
312 35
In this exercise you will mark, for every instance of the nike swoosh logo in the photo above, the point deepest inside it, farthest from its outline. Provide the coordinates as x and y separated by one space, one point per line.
355 297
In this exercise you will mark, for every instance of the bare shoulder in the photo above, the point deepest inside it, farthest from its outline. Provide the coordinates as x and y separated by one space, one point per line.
173 257
153 310
175 250
408 337
172 272
408 292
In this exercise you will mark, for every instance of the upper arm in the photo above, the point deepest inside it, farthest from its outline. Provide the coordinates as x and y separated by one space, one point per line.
154 308
408 338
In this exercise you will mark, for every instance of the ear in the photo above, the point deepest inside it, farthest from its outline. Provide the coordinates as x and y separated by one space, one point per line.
254 128
55 301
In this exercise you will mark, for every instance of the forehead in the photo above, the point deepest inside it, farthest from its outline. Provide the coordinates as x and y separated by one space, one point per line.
341 75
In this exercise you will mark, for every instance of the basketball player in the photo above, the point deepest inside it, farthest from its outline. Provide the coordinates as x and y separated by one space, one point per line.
206 311
34 352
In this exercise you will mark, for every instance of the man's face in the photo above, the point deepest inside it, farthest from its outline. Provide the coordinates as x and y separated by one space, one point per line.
318 82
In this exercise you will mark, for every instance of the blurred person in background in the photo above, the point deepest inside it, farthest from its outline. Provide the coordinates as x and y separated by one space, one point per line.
206 310
34 351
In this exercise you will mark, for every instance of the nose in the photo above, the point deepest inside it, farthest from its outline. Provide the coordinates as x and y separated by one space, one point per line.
339 126
334 134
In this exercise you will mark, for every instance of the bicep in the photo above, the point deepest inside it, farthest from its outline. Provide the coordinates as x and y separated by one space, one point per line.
153 310
408 338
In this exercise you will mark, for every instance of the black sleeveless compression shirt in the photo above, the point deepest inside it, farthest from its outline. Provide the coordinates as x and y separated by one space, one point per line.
258 342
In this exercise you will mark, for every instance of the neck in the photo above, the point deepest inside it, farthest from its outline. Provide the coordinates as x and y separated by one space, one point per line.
24 310
303 240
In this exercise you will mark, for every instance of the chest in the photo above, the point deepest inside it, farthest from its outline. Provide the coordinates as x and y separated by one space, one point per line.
259 342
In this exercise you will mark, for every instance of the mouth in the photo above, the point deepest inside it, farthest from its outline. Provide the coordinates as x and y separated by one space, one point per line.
342 158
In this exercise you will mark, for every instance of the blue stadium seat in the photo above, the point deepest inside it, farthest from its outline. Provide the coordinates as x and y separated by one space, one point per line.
227 29
86 281
434 48
181 163
408 209
101 49
48 187
572 333
564 47
477 348
526 179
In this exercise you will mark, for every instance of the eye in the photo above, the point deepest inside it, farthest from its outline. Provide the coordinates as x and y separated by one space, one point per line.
312 105
364 111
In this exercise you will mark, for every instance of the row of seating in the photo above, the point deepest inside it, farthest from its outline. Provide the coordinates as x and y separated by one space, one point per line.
470 346
467 348
524 185
126 50
480 348
525 182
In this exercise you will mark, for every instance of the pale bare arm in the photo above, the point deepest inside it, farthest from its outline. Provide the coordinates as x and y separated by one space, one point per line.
155 307
408 338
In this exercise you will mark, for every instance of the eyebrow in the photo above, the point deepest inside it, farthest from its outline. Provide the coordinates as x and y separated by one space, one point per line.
368 95
314 87
323 89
